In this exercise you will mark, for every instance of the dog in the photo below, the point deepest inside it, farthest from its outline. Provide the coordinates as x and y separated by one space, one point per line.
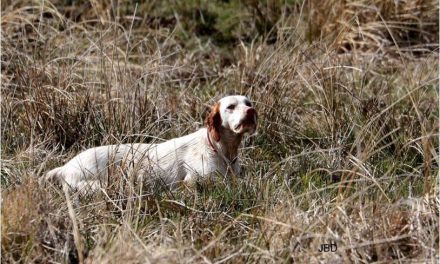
208 151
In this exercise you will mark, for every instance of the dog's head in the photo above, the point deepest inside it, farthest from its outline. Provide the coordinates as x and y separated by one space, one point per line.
235 113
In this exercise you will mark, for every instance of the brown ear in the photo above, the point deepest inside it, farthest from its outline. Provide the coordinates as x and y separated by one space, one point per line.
214 121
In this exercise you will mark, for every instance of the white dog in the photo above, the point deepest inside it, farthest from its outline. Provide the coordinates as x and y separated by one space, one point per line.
213 149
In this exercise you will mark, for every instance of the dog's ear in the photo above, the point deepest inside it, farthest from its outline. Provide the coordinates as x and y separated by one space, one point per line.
214 121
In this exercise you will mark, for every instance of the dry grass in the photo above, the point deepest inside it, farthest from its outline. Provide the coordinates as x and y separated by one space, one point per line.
346 151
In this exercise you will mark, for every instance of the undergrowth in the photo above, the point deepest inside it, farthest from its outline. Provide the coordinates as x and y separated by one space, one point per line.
347 143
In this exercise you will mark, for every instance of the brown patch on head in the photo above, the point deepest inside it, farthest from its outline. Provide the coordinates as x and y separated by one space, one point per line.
214 121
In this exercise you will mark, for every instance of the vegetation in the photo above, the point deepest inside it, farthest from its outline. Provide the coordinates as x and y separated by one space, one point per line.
347 95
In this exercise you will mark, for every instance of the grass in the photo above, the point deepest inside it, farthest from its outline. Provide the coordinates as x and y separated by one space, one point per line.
346 151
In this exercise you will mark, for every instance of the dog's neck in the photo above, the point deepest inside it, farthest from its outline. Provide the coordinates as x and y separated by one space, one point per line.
228 143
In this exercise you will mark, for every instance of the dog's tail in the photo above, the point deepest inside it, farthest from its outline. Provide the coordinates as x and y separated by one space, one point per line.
51 176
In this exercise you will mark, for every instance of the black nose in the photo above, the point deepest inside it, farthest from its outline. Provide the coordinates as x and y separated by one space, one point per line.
251 111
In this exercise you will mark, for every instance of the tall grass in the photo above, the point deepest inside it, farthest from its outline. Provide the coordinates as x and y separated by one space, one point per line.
346 152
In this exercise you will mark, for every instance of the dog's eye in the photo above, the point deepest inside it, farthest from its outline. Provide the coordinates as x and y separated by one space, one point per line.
230 107
247 103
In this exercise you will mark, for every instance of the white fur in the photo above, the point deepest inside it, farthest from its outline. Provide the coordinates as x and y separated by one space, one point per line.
179 159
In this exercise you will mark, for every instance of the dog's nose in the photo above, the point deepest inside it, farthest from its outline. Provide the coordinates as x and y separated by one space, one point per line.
250 111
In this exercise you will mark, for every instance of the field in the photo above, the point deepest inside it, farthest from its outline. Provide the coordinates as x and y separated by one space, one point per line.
346 152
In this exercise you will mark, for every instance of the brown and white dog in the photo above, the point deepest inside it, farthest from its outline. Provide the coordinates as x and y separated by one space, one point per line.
209 150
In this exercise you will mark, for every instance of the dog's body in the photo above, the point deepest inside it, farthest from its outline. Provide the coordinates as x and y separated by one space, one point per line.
200 154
